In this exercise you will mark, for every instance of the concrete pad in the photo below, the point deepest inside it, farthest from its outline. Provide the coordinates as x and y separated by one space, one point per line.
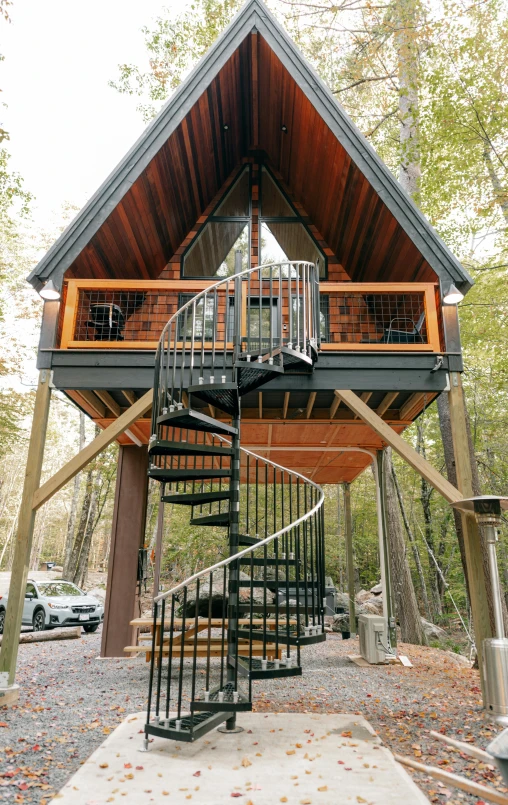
299 759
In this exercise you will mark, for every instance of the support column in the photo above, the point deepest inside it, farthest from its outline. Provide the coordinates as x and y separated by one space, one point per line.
24 533
127 536
158 544
472 541
384 550
348 527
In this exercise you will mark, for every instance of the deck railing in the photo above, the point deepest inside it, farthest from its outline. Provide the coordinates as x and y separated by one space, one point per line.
131 314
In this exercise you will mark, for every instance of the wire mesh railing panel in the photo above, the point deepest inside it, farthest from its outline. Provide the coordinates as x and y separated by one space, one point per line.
373 318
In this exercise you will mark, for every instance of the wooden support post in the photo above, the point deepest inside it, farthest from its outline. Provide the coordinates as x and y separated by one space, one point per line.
472 541
348 527
127 535
24 534
384 550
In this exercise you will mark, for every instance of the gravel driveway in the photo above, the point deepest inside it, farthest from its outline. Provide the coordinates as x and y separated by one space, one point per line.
70 700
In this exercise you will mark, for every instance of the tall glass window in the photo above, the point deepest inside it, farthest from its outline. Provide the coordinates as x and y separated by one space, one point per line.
282 235
212 252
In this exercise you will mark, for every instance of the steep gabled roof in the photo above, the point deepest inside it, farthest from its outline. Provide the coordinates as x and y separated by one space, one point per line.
114 226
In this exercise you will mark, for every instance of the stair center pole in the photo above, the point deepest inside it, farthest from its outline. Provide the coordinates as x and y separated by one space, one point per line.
234 514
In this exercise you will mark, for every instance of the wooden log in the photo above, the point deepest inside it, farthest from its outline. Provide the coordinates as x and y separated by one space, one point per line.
50 634
467 749
478 790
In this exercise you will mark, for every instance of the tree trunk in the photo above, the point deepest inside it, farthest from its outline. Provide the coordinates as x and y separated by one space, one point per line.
83 520
414 546
407 14
446 436
425 495
82 570
405 602
71 523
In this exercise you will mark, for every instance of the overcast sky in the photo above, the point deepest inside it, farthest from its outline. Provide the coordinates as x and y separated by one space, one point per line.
68 128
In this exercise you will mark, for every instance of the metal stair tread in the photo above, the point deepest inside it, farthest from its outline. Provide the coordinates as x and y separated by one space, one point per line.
163 447
228 705
161 473
252 668
218 519
195 420
197 498
282 638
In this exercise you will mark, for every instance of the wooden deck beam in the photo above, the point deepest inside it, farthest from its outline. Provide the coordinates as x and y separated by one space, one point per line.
108 401
76 464
408 453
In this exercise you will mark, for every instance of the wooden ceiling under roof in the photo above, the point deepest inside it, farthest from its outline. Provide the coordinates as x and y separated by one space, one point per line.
242 112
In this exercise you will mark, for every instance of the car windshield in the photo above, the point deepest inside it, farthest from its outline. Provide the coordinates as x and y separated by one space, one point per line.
59 588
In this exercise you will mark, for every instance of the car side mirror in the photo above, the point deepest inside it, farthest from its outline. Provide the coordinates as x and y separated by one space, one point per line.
29 596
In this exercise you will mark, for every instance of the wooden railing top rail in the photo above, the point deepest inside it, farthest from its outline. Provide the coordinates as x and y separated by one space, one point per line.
175 286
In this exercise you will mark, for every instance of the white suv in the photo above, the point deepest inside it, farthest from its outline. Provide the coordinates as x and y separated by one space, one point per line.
49 604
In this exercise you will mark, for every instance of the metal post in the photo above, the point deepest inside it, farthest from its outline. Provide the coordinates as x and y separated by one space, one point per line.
158 545
489 525
24 536
388 608
234 511
348 523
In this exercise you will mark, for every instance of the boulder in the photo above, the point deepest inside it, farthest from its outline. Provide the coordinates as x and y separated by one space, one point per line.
377 589
363 595
432 631
343 600
374 605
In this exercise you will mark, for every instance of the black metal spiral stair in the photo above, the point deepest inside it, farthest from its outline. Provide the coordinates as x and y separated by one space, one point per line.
264 602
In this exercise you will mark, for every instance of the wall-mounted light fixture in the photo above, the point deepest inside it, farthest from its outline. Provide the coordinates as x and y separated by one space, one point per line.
452 295
50 292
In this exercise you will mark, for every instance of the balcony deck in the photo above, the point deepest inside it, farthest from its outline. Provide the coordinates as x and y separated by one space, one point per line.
381 340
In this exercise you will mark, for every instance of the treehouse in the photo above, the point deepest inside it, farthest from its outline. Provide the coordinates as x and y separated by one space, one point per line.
255 263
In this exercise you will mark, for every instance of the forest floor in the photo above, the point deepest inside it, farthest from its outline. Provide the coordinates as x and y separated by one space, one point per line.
70 701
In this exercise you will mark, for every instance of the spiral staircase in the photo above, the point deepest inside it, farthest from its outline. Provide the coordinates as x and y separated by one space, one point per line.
262 604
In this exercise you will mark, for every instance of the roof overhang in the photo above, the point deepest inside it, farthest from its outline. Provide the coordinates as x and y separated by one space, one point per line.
77 242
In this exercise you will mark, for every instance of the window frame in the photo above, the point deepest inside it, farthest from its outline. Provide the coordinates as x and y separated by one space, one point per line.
212 218
295 219
183 298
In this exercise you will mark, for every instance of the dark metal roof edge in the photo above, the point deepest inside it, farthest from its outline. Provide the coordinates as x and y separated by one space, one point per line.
86 223
254 15
400 204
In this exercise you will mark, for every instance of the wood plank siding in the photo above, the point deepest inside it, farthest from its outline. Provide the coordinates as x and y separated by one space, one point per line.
239 118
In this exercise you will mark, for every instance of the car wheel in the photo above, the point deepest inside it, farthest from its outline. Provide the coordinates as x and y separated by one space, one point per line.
38 620
2 620
91 627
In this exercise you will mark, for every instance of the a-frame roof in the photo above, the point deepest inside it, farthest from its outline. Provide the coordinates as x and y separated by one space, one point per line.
149 203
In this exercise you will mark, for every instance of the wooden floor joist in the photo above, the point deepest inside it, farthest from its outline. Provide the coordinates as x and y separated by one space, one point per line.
333 408
109 402
76 464
408 453
386 402
310 404
365 396
286 404
260 404
411 403
130 396
90 403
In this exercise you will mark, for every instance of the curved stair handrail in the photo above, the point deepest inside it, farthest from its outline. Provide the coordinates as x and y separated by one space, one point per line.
226 341
237 556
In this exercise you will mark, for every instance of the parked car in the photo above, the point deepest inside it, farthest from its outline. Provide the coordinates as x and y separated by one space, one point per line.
49 604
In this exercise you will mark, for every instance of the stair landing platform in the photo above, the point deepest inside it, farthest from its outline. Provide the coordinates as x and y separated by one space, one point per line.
280 757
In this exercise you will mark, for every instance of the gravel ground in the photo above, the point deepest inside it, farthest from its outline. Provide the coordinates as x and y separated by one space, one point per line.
70 700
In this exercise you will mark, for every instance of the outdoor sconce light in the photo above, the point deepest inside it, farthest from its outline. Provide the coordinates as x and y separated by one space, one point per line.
50 291
487 510
452 295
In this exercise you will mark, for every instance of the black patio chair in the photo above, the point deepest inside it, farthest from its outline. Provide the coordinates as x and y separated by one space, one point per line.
108 321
